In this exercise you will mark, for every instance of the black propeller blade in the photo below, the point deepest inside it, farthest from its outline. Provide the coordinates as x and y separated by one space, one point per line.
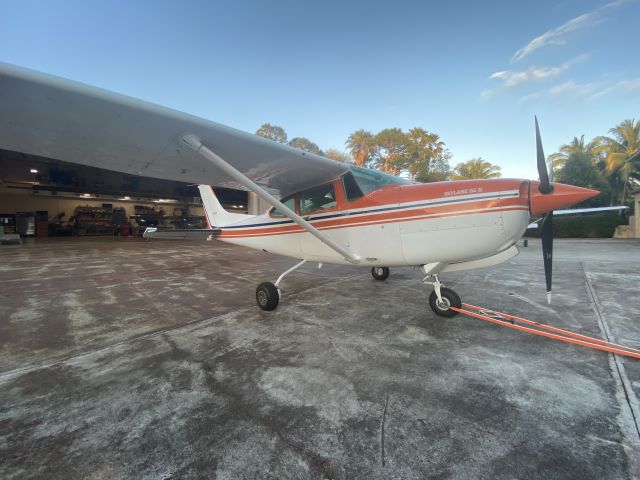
547 250
547 222
545 187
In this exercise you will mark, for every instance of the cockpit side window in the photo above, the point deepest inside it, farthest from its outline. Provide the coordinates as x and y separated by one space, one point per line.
289 201
317 198
371 180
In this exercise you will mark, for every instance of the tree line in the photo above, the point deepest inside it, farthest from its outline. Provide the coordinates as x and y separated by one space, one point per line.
417 153
610 164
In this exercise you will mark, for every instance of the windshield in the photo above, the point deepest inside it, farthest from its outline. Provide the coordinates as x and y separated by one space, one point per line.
371 180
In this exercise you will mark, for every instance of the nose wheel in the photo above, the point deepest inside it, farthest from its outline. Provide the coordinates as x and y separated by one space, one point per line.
442 307
442 299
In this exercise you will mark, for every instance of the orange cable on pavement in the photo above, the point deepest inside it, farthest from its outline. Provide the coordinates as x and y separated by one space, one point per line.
507 320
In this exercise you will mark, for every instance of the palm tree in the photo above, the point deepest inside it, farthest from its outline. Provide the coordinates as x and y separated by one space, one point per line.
361 144
476 168
391 150
422 146
620 163
577 146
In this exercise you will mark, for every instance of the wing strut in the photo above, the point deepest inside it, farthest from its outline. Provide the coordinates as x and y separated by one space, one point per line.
196 145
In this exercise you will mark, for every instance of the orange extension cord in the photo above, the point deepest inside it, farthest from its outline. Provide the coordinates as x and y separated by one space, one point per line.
507 320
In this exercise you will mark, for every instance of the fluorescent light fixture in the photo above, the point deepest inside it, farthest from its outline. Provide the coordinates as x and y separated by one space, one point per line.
86 195
34 170
126 198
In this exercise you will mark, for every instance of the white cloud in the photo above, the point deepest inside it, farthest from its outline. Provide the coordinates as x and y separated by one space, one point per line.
582 91
487 94
512 78
530 98
601 93
573 88
632 85
555 36
627 86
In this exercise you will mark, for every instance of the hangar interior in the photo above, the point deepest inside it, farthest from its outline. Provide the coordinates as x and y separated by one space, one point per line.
46 197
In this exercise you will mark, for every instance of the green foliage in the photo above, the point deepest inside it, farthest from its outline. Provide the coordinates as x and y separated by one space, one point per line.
439 169
476 168
617 151
337 155
577 145
579 170
592 225
305 144
272 132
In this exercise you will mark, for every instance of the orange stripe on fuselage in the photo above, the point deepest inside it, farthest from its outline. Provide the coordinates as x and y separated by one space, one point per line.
437 211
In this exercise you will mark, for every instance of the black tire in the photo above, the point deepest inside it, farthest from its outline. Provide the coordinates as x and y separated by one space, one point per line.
267 296
449 297
380 273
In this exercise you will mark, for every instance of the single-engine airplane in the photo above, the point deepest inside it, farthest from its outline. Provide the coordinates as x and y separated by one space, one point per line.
321 210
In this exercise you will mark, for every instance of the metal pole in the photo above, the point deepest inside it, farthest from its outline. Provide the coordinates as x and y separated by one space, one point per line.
196 145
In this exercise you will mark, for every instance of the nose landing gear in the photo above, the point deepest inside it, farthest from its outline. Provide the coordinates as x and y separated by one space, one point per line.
442 298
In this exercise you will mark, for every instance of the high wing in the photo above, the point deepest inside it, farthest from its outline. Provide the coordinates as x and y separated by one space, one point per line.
580 210
57 118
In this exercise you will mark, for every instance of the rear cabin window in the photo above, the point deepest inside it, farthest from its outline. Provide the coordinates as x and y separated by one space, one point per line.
317 198
288 202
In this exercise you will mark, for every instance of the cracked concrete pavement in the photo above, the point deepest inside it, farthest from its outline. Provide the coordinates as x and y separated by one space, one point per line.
130 359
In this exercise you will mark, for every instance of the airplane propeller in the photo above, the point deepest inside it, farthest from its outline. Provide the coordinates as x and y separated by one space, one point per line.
545 188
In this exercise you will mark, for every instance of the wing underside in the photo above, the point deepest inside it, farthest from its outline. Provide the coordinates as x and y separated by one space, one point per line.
64 120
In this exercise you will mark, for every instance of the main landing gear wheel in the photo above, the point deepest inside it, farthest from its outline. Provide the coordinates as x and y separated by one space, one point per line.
449 299
380 273
267 296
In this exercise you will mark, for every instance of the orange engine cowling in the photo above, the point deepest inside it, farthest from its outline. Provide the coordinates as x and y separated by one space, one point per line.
562 196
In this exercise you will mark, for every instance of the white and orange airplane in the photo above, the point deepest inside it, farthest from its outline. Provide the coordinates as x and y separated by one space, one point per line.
322 211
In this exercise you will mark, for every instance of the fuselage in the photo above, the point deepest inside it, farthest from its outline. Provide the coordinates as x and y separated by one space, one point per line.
400 224
404 223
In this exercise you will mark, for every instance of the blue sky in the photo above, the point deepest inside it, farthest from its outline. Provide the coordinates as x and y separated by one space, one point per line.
473 72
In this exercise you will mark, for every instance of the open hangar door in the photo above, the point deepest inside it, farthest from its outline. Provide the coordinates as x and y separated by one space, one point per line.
47 197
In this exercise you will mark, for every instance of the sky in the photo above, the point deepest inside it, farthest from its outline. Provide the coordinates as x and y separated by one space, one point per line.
473 72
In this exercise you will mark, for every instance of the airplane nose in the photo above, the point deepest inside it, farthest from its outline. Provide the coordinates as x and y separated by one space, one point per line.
562 196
